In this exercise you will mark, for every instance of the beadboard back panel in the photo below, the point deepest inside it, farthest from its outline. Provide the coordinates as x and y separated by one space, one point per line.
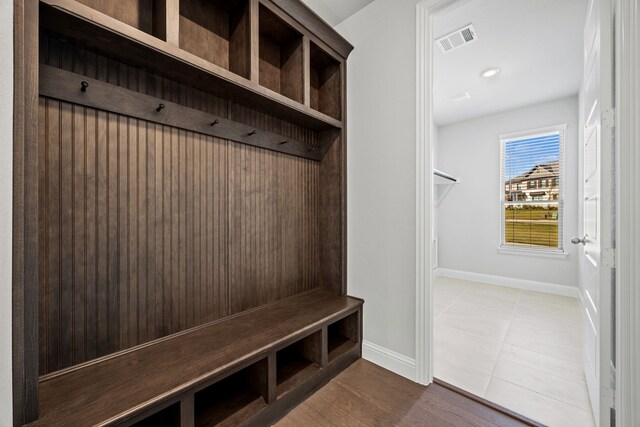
148 230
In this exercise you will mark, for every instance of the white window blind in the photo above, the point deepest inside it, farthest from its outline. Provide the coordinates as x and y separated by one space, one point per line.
531 205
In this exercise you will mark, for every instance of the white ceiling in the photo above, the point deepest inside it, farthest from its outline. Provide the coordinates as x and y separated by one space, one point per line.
336 11
536 43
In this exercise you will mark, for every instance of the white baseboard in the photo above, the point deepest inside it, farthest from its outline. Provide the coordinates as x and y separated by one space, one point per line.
529 285
389 359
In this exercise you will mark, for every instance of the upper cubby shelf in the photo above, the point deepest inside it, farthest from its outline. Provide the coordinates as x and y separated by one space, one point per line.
217 31
325 78
240 50
281 56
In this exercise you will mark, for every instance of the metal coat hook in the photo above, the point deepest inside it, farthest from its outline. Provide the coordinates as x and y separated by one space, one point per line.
83 86
160 107
253 132
215 122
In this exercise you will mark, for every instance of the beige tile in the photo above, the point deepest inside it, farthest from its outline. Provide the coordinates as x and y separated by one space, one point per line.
541 381
438 309
466 307
479 323
548 300
494 292
457 340
488 301
564 321
549 311
561 368
536 406
542 346
547 331
461 376
444 355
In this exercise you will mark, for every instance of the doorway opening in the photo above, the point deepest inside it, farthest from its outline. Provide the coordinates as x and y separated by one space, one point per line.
516 148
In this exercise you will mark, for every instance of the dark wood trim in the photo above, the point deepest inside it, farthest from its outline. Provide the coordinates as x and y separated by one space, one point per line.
25 213
489 404
343 181
64 85
316 25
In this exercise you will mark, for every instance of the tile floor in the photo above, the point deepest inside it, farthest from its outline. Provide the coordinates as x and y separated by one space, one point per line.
519 349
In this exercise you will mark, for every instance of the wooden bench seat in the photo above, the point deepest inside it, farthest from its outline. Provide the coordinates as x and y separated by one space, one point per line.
129 386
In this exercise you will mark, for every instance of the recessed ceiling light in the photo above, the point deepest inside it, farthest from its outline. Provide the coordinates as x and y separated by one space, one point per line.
491 72
460 97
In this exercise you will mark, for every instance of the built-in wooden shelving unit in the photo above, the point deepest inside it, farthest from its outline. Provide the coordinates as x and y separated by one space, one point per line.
187 237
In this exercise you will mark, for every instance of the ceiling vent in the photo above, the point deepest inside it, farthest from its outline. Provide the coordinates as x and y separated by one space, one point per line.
458 38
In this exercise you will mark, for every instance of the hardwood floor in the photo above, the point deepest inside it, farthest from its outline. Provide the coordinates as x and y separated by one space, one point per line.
368 395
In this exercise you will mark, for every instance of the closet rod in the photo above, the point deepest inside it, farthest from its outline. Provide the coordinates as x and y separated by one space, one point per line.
444 175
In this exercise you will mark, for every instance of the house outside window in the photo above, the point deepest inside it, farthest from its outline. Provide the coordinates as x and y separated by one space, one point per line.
531 218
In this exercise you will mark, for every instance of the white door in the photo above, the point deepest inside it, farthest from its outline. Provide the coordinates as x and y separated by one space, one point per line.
598 212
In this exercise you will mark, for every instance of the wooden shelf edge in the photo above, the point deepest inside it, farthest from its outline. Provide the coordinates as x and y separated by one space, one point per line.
250 93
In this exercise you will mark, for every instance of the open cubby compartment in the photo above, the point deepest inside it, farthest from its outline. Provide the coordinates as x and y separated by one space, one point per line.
167 417
325 82
218 31
281 56
234 399
144 15
342 336
298 362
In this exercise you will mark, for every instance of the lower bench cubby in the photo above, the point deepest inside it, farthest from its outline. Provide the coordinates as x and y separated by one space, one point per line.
298 362
167 417
342 335
233 400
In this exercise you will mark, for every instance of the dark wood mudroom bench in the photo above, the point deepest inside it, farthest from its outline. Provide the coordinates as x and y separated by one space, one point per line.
249 368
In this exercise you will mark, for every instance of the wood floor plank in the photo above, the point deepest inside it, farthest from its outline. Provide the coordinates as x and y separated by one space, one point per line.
368 395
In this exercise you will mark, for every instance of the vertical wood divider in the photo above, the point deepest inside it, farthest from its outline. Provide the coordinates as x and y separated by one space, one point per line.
172 10
187 411
272 373
254 22
325 346
306 61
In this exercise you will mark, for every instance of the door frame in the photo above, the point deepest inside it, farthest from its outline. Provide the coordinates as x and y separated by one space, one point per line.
627 60
425 12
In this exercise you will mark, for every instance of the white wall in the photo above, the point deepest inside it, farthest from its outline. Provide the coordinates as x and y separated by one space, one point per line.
471 151
381 169
6 186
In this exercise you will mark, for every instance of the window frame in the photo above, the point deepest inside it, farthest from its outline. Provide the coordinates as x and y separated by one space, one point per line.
559 252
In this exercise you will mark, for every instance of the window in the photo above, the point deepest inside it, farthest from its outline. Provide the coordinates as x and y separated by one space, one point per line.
532 219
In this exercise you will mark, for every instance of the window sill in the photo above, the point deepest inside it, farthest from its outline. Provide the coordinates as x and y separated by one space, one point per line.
533 253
